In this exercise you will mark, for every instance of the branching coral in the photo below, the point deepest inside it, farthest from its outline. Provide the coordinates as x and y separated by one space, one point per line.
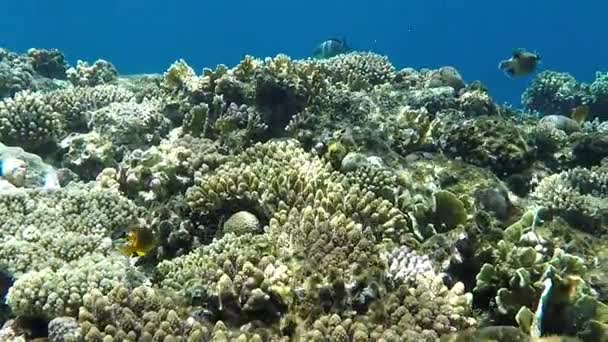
83 74
578 195
555 93
33 120
42 229
130 125
48 293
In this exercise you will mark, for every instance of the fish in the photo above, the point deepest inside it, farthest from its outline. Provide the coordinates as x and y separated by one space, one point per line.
140 241
580 113
331 48
522 63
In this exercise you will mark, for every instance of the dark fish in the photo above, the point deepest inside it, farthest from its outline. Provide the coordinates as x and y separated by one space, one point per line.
522 63
330 48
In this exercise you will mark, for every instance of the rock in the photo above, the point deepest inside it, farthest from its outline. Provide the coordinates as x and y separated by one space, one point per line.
560 122
63 329
29 170
591 149
353 161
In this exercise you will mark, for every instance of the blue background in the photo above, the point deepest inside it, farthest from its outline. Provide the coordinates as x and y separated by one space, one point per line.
142 36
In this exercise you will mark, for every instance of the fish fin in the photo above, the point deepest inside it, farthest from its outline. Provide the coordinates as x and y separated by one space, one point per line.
509 72
140 253
316 53
126 251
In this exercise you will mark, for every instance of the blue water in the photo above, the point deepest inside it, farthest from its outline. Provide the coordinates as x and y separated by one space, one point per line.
141 36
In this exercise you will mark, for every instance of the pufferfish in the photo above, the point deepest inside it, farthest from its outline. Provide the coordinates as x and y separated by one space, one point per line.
522 63
139 241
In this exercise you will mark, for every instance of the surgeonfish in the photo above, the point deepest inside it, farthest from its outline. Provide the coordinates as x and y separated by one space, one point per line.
331 48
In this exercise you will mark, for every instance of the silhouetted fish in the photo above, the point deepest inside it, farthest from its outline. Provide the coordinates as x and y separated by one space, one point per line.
330 48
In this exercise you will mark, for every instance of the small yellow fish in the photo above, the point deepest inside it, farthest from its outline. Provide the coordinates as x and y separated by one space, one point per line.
580 113
140 241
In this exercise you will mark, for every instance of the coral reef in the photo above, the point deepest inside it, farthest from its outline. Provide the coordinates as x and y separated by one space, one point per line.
83 74
555 93
333 199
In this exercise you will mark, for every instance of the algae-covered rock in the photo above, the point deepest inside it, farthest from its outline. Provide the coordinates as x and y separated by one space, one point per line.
449 209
